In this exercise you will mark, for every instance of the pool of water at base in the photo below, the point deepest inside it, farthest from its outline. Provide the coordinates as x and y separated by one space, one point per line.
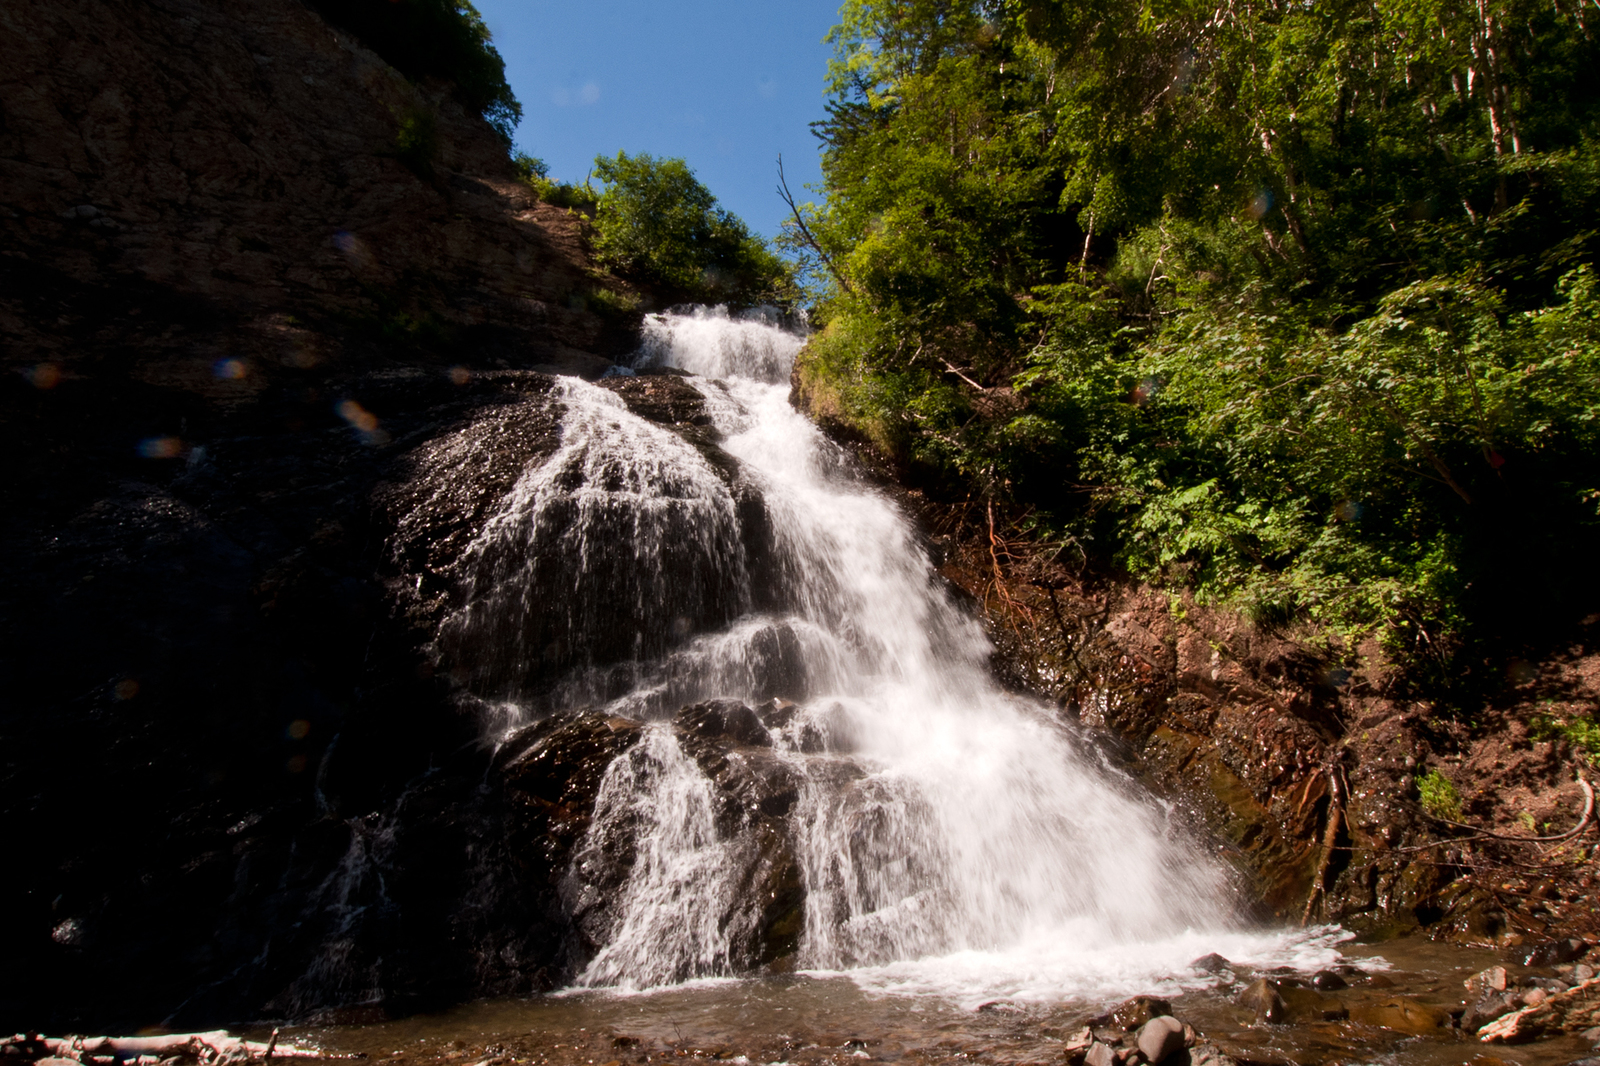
811 1020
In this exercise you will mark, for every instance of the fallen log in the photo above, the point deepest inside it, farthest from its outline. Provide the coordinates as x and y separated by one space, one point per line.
217 1046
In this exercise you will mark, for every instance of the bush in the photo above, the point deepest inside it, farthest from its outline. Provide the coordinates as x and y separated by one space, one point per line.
657 224
443 39
536 175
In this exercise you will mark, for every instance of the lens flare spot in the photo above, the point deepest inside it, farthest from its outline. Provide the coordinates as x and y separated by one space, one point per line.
460 375
44 376
354 249
296 765
126 689
1348 511
299 729
229 369
358 416
161 447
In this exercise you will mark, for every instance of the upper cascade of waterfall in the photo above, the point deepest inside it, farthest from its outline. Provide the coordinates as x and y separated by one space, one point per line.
712 343
949 836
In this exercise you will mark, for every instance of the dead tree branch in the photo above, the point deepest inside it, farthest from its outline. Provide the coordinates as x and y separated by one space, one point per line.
805 231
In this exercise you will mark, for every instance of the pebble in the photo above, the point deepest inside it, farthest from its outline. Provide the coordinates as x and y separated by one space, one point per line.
1592 1035
1212 963
1160 1037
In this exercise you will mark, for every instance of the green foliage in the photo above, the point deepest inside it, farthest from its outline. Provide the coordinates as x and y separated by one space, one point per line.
530 168
1439 796
536 175
444 39
1293 306
1583 733
656 223
416 142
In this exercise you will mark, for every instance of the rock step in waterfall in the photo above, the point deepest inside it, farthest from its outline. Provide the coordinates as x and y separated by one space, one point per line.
806 759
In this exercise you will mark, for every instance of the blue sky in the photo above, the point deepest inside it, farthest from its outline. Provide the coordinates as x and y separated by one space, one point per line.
725 84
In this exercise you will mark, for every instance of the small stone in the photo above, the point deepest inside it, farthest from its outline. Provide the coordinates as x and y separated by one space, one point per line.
1487 1008
1212 963
1592 1035
1552 952
1328 981
1261 996
1160 1037
1079 1040
1209 1055
1491 980
1100 1055
1535 996
56 1062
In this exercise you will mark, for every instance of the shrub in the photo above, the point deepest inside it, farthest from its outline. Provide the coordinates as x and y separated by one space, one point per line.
535 173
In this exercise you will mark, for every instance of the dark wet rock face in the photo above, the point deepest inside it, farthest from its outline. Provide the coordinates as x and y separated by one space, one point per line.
752 791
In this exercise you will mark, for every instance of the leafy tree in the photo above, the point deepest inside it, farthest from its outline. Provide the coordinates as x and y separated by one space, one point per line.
1290 304
655 222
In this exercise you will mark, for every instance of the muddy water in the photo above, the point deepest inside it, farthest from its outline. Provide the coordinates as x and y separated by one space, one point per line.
830 1018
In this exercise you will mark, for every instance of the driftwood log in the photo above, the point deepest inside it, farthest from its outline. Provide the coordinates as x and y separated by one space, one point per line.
212 1047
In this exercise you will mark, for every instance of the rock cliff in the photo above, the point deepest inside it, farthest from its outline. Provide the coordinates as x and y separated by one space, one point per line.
234 302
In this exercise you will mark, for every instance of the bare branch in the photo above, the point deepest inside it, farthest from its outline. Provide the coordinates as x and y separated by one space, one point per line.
805 231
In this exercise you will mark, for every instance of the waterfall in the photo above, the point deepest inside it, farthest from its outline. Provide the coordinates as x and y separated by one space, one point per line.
948 835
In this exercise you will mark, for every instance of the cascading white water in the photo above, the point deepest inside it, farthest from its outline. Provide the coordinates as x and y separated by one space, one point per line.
951 837
591 541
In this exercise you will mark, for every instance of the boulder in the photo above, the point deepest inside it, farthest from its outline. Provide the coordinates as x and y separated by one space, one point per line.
1262 998
1160 1037
728 721
1211 963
